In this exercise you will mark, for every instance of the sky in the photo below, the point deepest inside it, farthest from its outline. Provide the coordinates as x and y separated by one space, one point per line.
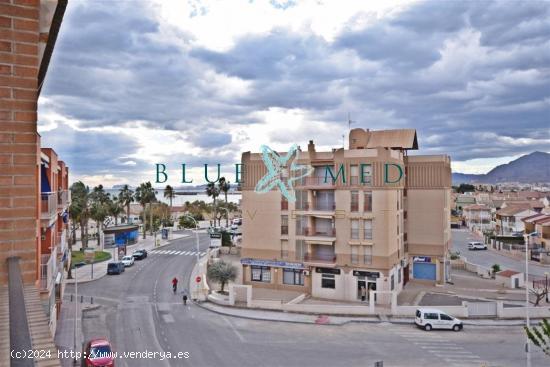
135 83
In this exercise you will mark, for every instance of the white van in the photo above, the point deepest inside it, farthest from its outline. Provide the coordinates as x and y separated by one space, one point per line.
477 246
431 318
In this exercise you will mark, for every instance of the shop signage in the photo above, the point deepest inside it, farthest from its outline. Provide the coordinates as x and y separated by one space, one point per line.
272 263
327 270
368 274
422 259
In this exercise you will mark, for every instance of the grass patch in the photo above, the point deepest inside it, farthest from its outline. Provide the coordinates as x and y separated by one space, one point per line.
79 256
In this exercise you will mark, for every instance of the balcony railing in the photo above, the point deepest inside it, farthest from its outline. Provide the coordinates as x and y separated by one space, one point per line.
48 205
330 206
302 205
320 258
47 266
315 181
321 232
63 197
61 240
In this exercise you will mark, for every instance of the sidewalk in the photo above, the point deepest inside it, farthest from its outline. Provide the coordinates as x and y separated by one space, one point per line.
277 316
96 271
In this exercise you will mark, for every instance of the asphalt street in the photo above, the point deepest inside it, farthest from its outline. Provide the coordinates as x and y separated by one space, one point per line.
140 313
488 258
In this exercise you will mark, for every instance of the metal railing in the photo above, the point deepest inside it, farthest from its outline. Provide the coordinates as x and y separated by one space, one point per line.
302 205
322 205
48 205
47 266
61 240
63 197
320 258
321 232
315 181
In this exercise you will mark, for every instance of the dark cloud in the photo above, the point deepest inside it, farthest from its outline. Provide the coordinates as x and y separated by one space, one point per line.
466 75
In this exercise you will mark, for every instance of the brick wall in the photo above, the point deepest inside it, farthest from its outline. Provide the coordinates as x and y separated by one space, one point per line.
19 36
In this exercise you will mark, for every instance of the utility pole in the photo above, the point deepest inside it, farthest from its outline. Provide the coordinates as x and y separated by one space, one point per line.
75 313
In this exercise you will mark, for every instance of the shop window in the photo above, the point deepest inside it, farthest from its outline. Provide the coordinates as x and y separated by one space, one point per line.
293 277
261 274
328 281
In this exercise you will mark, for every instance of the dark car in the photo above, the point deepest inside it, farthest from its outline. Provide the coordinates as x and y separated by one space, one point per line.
115 268
98 352
139 254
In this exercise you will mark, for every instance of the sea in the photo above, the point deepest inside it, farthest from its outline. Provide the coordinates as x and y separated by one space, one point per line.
180 200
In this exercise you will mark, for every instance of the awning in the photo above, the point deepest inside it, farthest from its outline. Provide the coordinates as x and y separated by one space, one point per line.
44 183
320 242
323 216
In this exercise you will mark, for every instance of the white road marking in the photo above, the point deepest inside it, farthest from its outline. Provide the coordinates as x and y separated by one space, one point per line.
239 335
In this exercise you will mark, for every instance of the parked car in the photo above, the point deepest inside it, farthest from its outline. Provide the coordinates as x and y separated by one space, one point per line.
128 260
234 226
477 246
98 352
115 267
431 318
238 221
139 254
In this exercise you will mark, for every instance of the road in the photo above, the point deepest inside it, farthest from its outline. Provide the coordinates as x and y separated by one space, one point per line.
139 313
488 258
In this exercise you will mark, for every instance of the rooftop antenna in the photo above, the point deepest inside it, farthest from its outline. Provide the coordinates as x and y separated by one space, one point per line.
350 121
344 141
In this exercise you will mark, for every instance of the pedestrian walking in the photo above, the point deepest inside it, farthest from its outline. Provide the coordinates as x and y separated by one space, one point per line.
363 293
185 299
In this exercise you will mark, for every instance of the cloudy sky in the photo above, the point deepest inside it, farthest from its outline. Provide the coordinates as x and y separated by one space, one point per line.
133 83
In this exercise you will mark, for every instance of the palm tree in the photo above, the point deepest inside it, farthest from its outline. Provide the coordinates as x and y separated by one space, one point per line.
126 197
169 193
212 190
145 194
115 209
224 187
99 208
80 201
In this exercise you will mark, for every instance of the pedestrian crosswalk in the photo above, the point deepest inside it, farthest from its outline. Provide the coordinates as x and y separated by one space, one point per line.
441 346
176 253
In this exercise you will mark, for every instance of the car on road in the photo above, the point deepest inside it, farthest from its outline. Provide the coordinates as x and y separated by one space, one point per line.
139 254
477 246
128 260
115 267
238 221
98 352
432 318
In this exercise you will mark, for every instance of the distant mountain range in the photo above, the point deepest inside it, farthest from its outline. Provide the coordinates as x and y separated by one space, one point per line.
530 168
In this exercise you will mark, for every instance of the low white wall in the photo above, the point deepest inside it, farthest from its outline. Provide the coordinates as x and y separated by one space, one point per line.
330 310
456 311
519 312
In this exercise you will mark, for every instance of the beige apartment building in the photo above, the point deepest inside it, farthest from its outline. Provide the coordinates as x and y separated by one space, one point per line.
376 219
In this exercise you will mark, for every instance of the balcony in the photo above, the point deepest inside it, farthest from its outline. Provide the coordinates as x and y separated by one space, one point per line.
61 241
63 198
323 259
47 267
324 206
48 207
315 181
302 205
320 232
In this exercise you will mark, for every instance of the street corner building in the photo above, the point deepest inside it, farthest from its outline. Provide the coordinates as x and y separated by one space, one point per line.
34 195
371 216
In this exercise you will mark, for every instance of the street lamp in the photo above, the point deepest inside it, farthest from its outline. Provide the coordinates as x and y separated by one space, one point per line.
546 285
196 233
527 242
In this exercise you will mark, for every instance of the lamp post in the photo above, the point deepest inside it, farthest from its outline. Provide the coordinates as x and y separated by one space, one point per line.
546 285
196 233
527 323
75 313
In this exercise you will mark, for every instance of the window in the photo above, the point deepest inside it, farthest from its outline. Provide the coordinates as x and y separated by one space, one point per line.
301 249
261 274
354 235
431 316
367 257
301 225
445 317
301 200
354 174
328 281
293 277
354 207
399 276
366 174
284 249
367 205
392 282
284 224
367 224
355 254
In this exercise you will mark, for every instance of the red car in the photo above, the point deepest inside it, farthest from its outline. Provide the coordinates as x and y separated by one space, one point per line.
98 353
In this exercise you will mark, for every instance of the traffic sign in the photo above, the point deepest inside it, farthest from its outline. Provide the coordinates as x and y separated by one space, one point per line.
198 279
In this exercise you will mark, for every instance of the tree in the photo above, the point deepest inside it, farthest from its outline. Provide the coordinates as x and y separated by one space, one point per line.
539 294
495 268
126 197
80 197
170 194
462 188
222 273
99 208
115 209
145 194
224 187
214 192
540 335
186 222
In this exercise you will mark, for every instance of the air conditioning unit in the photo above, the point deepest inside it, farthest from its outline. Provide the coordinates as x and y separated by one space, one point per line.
306 273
